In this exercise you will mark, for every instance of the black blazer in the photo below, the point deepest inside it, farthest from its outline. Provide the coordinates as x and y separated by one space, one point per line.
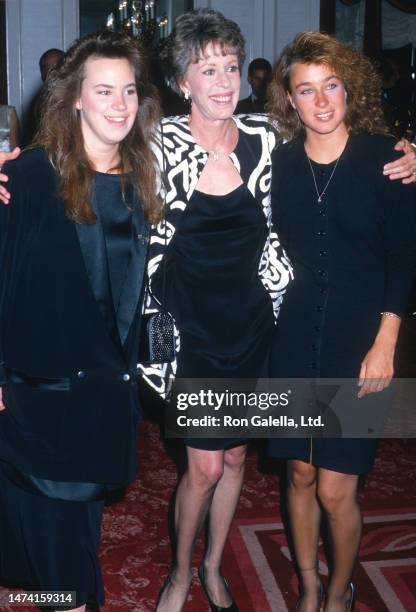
70 388
247 106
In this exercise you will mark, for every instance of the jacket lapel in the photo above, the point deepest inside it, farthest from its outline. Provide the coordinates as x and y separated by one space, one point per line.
133 282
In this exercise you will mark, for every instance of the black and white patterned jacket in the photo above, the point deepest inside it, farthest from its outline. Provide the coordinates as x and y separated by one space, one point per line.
183 161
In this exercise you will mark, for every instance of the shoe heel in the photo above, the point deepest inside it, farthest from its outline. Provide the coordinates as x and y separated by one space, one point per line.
214 607
351 601
321 595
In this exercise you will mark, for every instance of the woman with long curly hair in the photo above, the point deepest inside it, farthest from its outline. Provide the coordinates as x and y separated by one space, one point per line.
73 254
350 233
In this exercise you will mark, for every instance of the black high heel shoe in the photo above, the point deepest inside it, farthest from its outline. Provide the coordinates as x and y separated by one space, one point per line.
214 607
168 582
351 601
321 596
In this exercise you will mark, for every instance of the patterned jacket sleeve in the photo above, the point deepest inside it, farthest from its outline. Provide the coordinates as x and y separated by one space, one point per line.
275 269
159 376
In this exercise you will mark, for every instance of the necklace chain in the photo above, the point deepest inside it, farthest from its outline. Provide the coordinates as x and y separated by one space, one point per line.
321 195
215 154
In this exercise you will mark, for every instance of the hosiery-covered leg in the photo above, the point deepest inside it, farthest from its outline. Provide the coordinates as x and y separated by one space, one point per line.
221 513
305 517
193 499
337 493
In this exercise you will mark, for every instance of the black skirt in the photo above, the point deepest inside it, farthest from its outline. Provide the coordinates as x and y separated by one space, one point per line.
50 545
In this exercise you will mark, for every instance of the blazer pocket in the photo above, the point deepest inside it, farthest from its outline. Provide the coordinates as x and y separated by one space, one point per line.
37 409
37 382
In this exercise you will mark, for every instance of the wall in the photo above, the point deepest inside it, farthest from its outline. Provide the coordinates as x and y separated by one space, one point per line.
268 25
36 25
33 26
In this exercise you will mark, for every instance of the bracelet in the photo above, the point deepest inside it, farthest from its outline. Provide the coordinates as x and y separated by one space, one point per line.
390 314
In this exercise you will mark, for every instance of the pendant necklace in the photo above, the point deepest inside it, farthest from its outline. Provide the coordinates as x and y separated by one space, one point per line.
215 155
322 193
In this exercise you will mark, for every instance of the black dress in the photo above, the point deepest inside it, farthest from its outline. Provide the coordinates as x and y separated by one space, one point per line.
353 256
222 310
48 542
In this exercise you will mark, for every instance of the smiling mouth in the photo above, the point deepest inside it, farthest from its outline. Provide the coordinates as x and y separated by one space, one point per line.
116 120
223 99
325 116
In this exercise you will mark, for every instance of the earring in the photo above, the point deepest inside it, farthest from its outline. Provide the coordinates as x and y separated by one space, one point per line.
187 96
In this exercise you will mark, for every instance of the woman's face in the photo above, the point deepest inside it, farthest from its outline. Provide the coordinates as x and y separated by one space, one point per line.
108 103
213 84
319 97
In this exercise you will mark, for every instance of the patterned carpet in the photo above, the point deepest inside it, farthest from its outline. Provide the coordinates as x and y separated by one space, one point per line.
135 551
136 548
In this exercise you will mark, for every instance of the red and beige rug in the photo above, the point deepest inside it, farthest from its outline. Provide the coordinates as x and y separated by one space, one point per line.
135 551
136 547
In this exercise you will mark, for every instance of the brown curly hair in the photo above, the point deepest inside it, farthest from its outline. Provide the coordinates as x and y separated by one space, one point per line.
361 81
61 136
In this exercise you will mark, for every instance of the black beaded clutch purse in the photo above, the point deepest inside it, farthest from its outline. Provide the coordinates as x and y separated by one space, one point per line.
157 338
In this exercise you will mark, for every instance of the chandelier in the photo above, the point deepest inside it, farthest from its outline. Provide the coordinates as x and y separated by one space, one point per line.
139 18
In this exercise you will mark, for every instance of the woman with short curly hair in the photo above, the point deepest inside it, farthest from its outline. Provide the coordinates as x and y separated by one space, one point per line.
349 232
226 274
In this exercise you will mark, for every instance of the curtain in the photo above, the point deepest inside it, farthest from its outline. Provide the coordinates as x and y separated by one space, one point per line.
350 16
398 28
408 6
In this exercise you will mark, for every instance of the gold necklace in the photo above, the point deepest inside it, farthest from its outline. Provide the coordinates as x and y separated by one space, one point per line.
215 154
